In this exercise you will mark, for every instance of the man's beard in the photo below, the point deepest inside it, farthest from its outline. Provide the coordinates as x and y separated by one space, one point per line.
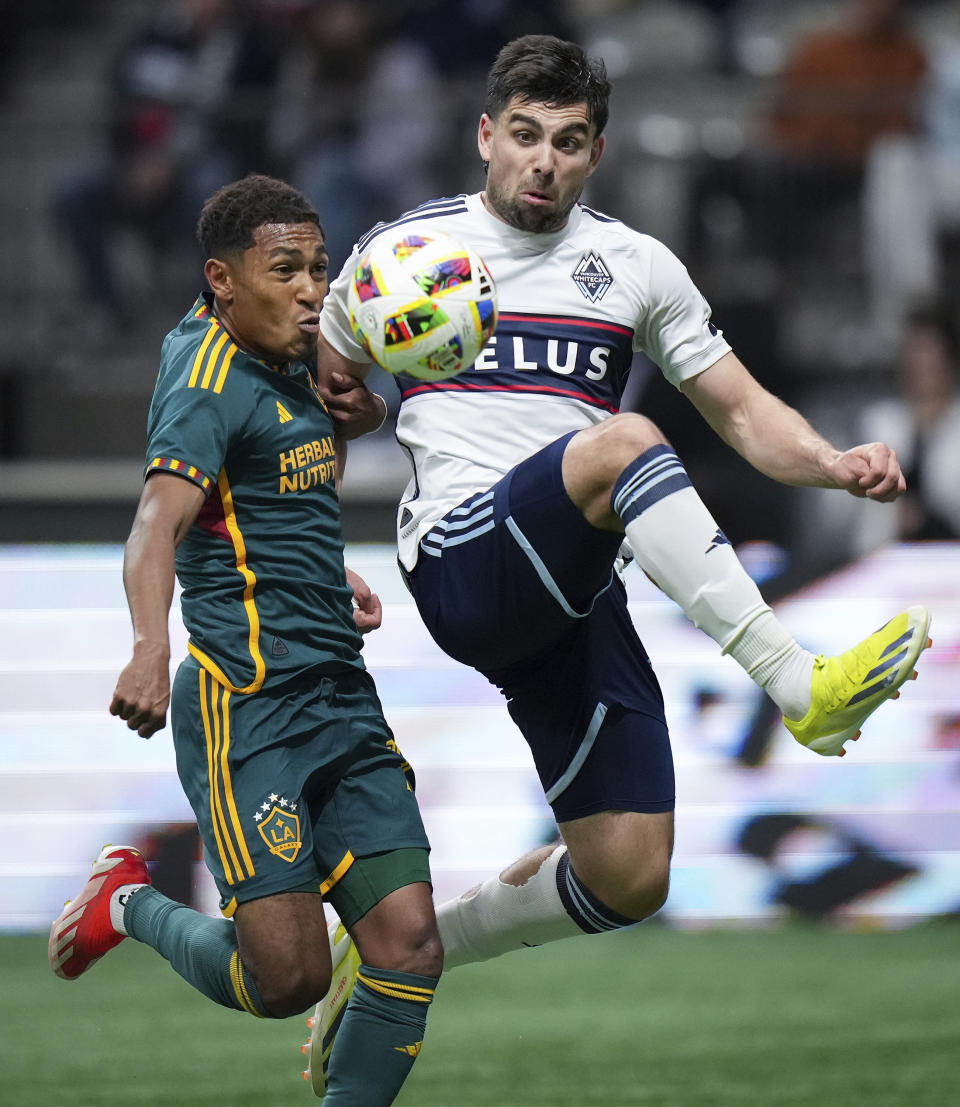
526 217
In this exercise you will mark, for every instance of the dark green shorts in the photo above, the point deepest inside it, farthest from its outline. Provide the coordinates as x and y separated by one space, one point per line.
293 787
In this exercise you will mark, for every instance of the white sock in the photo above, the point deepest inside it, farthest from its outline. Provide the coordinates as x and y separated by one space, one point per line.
677 542
495 918
118 901
773 658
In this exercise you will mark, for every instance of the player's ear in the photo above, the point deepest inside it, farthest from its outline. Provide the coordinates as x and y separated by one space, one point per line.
485 136
219 278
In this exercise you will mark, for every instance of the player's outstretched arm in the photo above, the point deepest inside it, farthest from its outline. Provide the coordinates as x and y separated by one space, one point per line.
354 408
167 509
777 440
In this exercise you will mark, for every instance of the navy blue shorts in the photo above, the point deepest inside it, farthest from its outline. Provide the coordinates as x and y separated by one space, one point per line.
516 583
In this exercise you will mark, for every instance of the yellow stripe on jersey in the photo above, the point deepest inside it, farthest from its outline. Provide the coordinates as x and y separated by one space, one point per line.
253 616
211 362
338 873
397 991
222 376
206 359
201 353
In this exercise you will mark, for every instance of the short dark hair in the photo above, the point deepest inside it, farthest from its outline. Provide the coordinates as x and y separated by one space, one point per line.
546 69
232 214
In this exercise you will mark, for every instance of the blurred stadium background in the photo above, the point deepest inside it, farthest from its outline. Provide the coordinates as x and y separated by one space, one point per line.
116 117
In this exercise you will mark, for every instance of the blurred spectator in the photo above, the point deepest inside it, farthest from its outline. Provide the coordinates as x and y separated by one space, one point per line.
187 102
844 87
371 110
840 90
922 423
355 123
912 191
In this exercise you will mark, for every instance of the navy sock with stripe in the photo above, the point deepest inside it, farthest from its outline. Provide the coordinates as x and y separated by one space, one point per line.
380 1037
201 949
589 913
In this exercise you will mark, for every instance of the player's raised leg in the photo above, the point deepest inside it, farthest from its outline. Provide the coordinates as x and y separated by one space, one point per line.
118 901
611 871
624 475
91 924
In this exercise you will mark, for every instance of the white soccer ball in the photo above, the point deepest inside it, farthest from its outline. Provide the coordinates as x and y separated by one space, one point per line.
422 303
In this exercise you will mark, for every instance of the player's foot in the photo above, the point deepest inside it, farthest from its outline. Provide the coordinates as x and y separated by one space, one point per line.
326 1019
848 688
84 933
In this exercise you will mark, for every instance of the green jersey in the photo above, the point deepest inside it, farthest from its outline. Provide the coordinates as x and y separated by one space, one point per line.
265 595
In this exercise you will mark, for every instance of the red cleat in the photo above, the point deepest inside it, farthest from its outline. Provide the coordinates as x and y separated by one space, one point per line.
84 933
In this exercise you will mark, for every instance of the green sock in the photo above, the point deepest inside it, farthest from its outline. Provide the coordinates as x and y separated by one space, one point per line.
202 950
380 1037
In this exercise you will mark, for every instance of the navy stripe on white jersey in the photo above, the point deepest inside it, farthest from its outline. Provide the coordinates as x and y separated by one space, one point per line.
584 359
575 304
599 215
433 209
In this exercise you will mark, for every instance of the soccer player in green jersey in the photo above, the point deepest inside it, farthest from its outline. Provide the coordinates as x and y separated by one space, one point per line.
297 785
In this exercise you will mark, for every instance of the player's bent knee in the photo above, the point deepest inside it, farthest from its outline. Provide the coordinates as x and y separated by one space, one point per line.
595 458
636 895
292 989
627 435
428 957
417 950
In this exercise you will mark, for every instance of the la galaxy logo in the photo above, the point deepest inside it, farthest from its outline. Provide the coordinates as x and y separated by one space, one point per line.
592 277
279 826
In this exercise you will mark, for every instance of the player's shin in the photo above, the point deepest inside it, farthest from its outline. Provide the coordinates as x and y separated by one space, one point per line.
380 1037
202 950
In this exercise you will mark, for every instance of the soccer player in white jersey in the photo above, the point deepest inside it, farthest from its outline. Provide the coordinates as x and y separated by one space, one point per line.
526 478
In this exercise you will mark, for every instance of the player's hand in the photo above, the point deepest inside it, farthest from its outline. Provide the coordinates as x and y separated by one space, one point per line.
142 694
871 471
367 609
354 408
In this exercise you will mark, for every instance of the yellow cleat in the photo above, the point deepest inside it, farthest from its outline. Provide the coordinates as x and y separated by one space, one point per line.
326 1018
848 688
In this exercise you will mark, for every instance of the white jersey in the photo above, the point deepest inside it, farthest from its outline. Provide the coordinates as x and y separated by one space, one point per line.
574 306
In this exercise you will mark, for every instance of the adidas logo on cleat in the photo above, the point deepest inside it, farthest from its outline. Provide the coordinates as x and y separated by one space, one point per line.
849 687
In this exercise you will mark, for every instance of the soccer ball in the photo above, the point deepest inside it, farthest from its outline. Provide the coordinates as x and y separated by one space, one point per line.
423 304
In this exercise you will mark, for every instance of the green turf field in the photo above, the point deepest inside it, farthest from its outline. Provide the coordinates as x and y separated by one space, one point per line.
649 1016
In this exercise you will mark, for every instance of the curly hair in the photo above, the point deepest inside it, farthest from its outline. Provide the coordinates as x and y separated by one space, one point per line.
550 71
232 214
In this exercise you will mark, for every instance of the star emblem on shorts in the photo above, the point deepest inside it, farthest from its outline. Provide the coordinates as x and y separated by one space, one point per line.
273 800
